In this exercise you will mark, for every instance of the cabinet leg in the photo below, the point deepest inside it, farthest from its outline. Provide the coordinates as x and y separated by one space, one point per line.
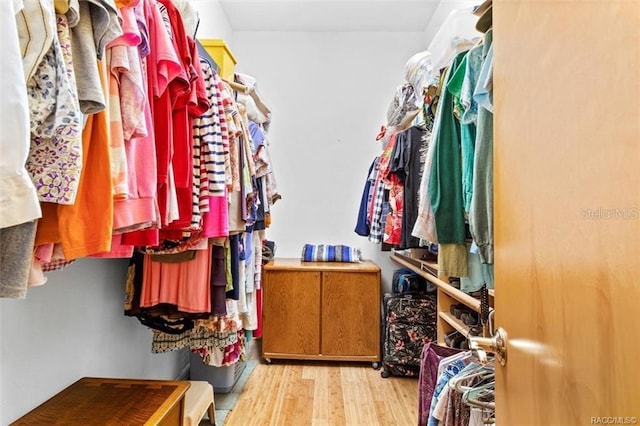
375 365
267 361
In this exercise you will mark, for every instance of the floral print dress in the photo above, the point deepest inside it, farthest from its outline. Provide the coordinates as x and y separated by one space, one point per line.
55 155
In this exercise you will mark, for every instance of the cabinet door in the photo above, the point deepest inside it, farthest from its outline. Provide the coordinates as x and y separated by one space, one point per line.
291 313
350 313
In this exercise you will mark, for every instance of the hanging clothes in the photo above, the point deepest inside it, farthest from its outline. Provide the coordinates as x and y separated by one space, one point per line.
481 214
425 227
465 111
183 283
393 201
431 356
136 209
55 159
363 226
445 184
408 156
18 197
457 32
165 168
86 227
19 207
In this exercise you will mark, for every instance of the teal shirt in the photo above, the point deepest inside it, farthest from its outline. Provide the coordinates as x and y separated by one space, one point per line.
481 214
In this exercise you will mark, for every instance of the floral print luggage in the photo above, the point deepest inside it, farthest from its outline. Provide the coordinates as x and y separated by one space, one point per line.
409 323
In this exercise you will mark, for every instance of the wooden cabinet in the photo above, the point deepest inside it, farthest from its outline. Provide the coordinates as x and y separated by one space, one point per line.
291 312
447 295
321 310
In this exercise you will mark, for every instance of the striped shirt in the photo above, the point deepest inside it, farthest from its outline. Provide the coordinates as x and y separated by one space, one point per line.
376 232
209 136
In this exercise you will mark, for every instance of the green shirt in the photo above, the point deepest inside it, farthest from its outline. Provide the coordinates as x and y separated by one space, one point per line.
445 180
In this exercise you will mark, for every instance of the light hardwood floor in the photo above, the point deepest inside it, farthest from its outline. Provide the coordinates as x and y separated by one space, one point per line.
300 393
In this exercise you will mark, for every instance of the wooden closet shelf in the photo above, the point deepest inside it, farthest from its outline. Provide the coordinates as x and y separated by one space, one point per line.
417 266
455 323
463 297
448 296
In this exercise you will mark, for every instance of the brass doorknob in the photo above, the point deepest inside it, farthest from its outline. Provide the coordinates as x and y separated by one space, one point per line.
496 345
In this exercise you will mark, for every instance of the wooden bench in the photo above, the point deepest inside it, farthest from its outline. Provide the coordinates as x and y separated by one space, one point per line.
100 401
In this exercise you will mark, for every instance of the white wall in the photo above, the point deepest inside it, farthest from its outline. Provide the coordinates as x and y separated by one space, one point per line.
442 12
71 327
213 21
329 93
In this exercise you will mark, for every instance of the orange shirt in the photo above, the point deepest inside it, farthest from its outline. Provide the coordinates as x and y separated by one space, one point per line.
85 227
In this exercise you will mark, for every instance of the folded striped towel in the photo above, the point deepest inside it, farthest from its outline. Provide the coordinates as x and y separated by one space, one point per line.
328 253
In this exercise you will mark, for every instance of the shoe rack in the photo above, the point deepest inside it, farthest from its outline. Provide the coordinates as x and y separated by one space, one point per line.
450 322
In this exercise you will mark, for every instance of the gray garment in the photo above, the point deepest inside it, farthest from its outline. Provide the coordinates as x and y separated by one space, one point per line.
481 214
85 63
73 14
106 24
16 247
97 27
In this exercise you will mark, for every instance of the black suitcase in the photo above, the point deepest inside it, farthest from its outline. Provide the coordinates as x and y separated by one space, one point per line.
406 280
409 322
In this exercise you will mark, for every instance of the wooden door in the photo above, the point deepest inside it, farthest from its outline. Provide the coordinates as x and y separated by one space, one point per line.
567 210
351 315
291 313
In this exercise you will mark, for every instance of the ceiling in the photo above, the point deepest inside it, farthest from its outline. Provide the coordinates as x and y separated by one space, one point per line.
338 16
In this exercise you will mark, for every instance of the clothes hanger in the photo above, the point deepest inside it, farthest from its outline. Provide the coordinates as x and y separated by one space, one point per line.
486 20
204 54
195 31
470 397
459 356
462 356
481 8
456 382
474 390
259 102
237 86
253 91
470 368
469 372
